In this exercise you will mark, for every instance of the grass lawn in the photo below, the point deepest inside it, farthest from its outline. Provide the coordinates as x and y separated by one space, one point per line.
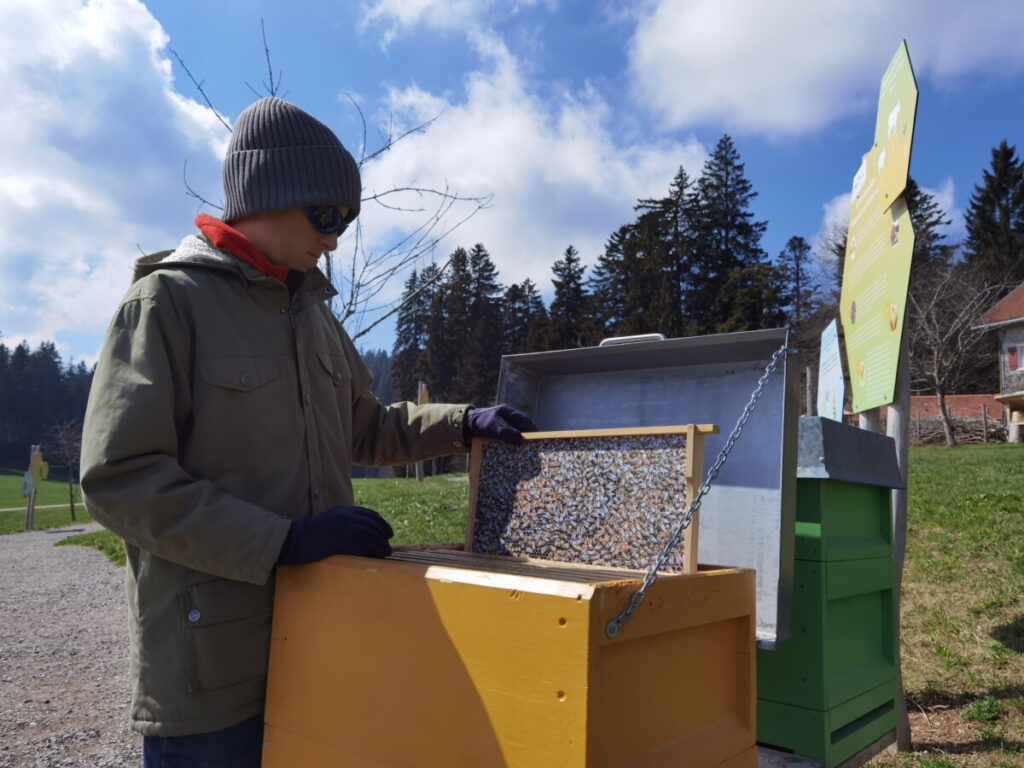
433 511
48 493
963 593
963 608
110 545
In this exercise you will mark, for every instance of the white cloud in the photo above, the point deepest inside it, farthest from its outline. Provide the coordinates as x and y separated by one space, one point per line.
834 220
788 67
397 18
92 140
945 197
557 171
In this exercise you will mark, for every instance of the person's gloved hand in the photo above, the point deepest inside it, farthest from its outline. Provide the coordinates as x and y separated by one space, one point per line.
500 421
337 531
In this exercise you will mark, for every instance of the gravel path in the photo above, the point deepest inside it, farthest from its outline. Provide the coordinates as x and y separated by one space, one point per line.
64 691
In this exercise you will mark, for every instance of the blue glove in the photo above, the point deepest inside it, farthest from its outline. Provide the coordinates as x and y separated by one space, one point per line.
500 421
337 531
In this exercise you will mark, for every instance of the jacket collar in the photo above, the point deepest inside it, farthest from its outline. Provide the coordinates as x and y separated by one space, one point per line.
198 251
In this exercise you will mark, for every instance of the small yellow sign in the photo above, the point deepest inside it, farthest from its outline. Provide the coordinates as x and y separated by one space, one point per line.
39 469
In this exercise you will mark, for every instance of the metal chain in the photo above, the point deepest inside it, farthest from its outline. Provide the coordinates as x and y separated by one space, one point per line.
615 625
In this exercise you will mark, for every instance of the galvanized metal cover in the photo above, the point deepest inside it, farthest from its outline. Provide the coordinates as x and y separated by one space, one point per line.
829 449
747 519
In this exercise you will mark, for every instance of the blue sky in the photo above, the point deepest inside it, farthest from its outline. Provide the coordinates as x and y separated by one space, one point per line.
564 112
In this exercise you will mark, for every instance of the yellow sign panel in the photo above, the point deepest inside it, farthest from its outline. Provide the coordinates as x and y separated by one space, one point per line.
38 468
879 245
894 126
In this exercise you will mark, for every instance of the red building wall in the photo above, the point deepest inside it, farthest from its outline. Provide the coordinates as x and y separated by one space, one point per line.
964 406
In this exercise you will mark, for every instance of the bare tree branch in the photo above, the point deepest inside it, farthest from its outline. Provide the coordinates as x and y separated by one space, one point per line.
391 139
272 87
269 86
192 193
199 87
398 307
66 440
370 273
365 274
362 120
943 307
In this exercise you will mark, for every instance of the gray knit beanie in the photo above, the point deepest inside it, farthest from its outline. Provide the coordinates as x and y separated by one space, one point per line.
281 157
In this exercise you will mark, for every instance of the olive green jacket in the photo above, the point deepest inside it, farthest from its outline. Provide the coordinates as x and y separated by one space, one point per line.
220 409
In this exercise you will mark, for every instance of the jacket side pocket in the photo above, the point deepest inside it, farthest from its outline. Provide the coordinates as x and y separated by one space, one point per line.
227 632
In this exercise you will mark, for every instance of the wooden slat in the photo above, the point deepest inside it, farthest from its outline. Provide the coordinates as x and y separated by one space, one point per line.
476 452
545 569
622 432
694 477
449 545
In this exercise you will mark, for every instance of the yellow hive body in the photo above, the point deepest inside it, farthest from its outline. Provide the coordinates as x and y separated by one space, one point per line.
448 658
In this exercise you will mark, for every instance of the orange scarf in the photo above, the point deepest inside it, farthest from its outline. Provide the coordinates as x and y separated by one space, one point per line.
227 238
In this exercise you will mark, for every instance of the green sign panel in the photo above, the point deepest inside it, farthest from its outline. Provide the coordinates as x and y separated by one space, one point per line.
879 244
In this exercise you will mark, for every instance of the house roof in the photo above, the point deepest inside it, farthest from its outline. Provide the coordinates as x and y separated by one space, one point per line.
1013 399
1009 309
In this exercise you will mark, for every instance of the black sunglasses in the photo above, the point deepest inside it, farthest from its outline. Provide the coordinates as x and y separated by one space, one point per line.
326 219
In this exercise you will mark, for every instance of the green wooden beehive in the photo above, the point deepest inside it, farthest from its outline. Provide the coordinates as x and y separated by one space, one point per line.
843 640
829 690
838 520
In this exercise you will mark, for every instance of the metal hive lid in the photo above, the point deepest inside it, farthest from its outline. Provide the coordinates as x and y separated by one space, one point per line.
747 519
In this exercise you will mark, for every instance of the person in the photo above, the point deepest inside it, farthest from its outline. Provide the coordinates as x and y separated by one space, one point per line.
227 407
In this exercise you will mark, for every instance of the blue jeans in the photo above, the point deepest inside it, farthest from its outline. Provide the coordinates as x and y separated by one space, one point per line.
237 746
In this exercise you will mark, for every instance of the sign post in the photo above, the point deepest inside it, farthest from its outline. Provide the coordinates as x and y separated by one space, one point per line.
876 276
38 470
422 398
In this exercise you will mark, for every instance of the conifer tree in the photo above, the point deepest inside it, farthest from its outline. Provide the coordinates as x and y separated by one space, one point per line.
995 219
755 297
568 324
799 289
929 221
411 333
37 392
478 372
665 233
446 331
523 318
608 286
726 236
640 281
652 297
378 362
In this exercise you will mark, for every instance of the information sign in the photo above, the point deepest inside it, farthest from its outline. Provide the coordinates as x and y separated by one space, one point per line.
831 387
879 245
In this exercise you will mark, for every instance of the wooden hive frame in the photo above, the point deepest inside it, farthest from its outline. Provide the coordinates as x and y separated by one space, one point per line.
691 475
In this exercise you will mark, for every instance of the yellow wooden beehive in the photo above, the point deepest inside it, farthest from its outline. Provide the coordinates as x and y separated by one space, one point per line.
454 658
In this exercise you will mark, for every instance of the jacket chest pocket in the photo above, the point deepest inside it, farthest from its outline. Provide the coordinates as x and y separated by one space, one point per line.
335 368
238 373
234 389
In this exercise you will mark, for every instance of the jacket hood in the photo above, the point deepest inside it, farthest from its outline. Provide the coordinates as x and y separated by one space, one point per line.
193 251
196 251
